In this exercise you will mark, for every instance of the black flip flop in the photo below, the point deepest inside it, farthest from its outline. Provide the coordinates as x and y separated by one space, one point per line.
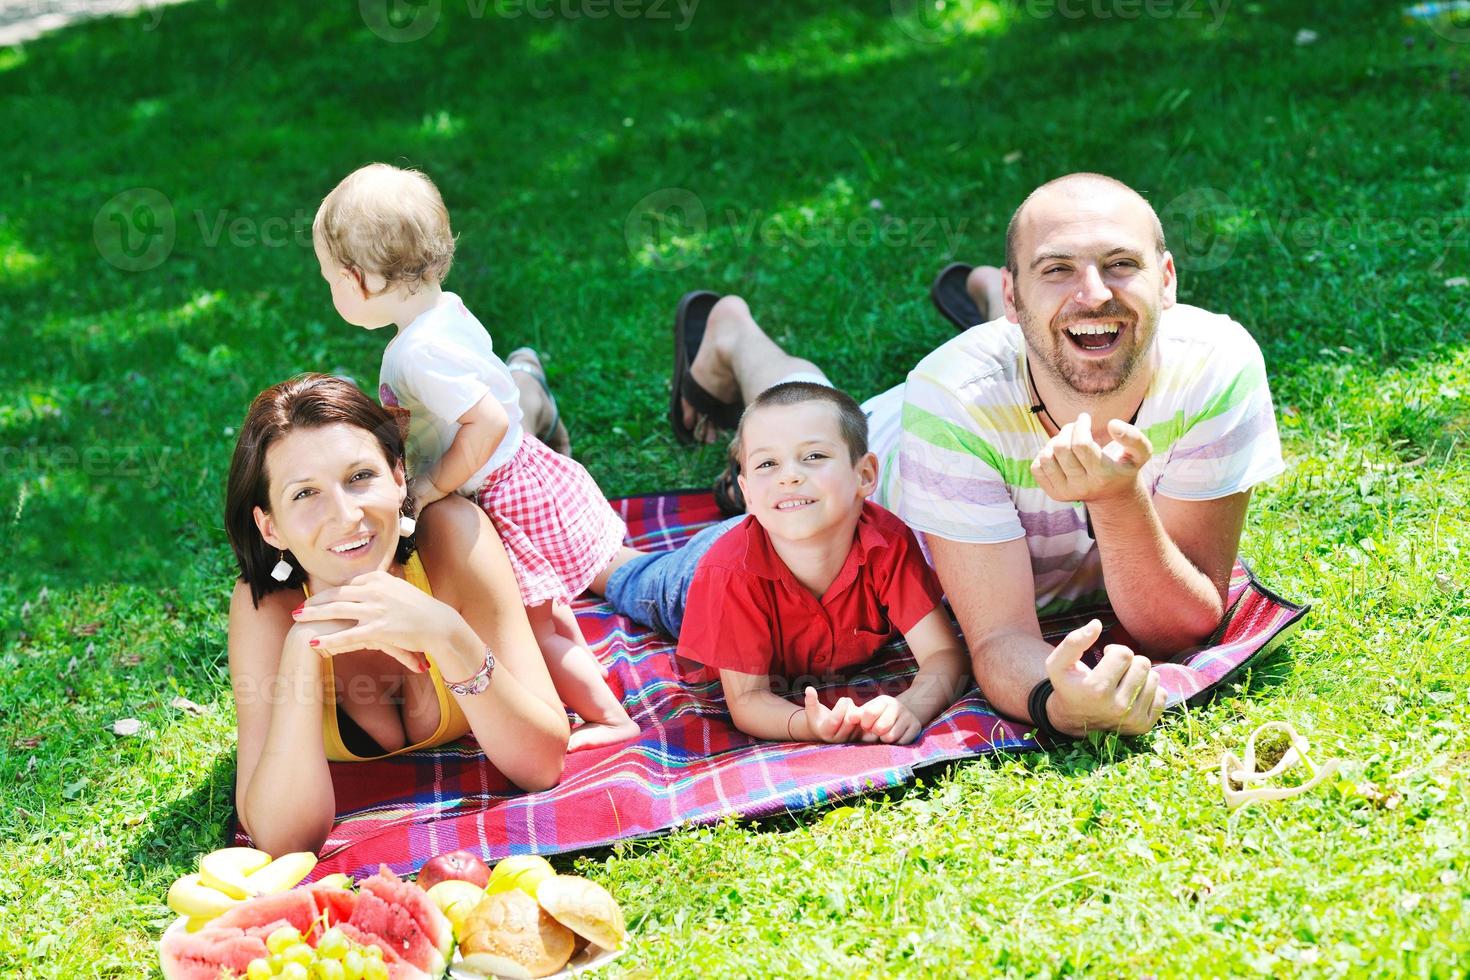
689 323
728 496
953 300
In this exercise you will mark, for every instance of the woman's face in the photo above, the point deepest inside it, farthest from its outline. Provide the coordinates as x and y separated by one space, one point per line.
334 503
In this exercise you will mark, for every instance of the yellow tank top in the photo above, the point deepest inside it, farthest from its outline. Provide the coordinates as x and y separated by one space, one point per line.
452 722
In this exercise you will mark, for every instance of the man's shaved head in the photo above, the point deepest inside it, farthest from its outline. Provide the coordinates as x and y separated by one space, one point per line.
1080 187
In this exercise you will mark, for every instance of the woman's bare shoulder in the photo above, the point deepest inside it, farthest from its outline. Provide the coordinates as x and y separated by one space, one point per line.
257 632
457 545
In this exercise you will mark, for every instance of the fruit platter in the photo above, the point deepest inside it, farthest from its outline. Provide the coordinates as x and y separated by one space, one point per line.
245 915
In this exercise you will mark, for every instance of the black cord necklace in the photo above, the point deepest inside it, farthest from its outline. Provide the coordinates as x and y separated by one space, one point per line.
1039 408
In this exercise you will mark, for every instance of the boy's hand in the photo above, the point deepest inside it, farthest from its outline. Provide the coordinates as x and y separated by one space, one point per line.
887 719
424 492
1073 467
835 724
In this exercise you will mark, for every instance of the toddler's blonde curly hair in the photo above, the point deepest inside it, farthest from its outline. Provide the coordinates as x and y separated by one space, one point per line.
389 221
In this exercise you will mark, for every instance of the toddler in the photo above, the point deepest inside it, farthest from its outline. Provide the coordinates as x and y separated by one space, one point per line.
383 240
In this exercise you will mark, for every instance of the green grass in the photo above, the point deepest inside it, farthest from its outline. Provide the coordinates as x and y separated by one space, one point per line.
1317 193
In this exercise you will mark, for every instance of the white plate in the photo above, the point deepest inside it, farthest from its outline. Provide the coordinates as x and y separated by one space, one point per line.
590 958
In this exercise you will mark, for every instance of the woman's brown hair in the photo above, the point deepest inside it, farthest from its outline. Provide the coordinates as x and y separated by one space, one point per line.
307 401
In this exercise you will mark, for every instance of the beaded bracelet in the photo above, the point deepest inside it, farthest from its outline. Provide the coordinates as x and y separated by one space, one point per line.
479 682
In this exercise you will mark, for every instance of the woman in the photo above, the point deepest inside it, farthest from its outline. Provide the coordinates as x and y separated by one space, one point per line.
340 650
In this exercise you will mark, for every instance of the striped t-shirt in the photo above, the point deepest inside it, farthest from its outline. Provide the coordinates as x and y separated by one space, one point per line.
957 459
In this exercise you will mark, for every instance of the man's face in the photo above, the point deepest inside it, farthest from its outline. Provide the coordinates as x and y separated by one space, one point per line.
1090 286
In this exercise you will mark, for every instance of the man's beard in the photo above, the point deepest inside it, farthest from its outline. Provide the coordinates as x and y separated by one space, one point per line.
1089 377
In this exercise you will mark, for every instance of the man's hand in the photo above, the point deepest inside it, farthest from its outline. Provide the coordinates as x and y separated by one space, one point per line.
1073 467
887 719
1120 694
835 724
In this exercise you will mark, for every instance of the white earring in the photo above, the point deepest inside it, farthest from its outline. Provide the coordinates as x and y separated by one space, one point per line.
283 569
406 525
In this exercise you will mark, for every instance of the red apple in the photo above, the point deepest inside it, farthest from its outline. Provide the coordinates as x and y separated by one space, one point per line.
456 865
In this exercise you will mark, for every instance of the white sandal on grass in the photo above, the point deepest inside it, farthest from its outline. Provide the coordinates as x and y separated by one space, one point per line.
1234 771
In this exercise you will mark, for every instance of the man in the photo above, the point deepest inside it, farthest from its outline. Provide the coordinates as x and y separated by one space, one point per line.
1098 442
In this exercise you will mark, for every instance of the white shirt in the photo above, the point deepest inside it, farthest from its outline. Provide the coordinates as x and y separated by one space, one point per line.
439 367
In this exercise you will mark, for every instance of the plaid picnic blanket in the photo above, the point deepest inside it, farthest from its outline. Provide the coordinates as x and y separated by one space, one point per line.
691 765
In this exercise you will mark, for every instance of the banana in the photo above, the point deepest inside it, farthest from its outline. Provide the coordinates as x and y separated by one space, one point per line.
337 880
190 897
194 925
227 869
281 874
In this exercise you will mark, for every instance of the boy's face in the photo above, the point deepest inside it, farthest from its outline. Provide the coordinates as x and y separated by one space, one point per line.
798 476
347 293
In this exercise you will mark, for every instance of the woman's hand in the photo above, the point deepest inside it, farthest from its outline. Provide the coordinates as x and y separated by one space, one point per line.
388 613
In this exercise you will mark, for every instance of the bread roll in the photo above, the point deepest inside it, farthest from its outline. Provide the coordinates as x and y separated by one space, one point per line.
510 935
586 908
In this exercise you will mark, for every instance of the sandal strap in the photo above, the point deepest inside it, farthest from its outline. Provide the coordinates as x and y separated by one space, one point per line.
539 374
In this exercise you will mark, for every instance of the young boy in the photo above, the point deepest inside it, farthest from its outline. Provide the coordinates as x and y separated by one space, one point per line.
811 584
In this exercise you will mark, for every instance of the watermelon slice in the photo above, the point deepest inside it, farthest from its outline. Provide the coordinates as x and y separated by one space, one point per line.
337 903
205 954
432 923
292 908
386 910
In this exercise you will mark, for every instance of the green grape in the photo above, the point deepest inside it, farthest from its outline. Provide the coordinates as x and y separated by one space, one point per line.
278 941
373 952
353 963
277 963
333 945
295 971
328 970
299 953
375 970
259 969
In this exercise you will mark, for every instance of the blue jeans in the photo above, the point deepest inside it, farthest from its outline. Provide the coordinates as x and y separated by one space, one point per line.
652 588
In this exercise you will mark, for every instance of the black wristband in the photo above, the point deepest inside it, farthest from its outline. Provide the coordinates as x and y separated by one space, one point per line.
1036 708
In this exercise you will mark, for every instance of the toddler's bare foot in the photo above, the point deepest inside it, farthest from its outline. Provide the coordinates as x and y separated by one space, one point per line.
592 734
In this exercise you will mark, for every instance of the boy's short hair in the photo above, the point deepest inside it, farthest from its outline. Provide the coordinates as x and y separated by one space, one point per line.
389 221
851 421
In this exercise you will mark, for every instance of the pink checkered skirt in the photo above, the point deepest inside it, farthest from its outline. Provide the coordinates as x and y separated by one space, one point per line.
557 527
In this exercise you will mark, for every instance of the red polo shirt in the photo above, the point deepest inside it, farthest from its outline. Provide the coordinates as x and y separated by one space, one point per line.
746 612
